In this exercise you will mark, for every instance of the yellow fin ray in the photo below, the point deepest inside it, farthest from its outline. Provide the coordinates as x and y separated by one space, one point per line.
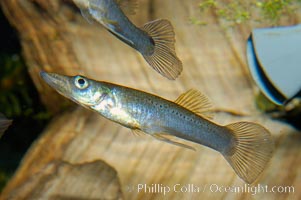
164 59
196 102
137 132
252 150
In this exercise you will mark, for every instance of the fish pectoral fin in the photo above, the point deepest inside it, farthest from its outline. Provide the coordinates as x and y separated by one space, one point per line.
137 132
114 27
4 124
161 137
91 11
163 59
111 22
84 9
96 8
86 14
128 6
196 102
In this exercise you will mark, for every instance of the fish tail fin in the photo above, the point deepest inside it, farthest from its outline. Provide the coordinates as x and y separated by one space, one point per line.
163 59
4 124
252 150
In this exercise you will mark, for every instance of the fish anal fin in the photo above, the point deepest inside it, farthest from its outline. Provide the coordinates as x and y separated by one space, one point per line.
163 57
128 6
163 138
251 151
196 102
111 24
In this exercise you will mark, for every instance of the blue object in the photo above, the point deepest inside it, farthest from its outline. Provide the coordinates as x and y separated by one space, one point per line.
274 59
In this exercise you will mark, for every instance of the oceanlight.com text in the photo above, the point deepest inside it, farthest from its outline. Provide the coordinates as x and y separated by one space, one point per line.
213 188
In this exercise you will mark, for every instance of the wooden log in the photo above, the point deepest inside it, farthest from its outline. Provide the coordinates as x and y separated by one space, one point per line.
57 39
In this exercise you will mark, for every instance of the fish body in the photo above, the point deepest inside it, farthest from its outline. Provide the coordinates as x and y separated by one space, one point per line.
113 19
246 146
152 114
155 40
4 124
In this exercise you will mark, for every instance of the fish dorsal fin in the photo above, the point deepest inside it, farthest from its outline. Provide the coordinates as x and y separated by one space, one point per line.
196 102
128 6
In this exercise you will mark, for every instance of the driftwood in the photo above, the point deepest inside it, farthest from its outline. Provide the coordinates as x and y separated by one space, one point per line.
56 38
62 180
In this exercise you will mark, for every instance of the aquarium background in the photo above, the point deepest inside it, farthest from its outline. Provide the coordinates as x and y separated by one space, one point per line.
19 101
68 152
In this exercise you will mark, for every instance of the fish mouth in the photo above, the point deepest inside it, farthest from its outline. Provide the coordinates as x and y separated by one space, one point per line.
58 82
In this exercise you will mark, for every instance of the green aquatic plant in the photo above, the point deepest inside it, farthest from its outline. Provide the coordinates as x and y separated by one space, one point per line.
264 104
12 88
237 12
16 93
290 112
274 9
20 102
4 177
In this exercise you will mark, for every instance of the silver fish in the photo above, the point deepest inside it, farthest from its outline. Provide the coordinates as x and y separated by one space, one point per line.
246 146
155 40
4 124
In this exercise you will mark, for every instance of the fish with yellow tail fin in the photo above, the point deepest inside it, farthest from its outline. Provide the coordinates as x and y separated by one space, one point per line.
4 124
155 40
246 146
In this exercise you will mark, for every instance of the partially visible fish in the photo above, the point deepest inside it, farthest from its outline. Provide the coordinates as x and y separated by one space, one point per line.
246 146
4 124
155 40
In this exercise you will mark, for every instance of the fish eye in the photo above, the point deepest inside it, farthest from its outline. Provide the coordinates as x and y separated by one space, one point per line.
81 82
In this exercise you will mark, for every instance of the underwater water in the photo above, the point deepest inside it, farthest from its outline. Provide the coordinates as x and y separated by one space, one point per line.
141 166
